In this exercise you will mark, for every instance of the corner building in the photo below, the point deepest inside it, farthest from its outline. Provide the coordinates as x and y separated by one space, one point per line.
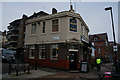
58 40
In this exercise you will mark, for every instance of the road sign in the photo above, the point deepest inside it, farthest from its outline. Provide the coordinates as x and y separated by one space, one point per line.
114 48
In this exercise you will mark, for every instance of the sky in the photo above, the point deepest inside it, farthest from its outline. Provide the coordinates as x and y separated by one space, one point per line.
93 13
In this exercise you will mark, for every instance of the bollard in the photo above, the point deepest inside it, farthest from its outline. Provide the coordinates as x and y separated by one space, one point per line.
16 72
28 69
17 67
36 66
24 68
9 68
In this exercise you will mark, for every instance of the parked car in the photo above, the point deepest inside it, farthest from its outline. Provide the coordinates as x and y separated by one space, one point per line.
7 55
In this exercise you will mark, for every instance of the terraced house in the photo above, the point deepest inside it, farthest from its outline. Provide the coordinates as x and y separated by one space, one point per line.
57 40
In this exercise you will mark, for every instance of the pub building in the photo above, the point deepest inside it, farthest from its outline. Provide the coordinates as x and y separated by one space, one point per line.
58 40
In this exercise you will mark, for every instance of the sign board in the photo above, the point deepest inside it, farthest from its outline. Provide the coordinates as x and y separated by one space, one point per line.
55 37
114 48
84 66
83 38
73 25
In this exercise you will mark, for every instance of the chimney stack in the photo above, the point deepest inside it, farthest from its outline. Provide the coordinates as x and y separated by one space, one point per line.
54 11
71 8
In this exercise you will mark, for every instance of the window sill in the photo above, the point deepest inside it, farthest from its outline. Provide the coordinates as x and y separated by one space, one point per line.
31 57
55 32
32 35
54 60
43 33
42 58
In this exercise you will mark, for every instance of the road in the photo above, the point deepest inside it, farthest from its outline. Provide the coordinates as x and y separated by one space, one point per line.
91 75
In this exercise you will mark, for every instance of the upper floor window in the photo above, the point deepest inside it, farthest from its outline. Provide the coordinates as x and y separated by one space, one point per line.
82 27
95 38
106 43
55 25
33 29
42 51
54 51
43 28
99 50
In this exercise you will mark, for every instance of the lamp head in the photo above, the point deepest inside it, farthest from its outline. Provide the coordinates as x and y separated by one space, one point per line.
108 8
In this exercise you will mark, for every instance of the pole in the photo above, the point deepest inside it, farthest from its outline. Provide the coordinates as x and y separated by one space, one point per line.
113 28
114 40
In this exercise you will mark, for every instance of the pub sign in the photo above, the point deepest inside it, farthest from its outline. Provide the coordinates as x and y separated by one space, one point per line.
73 25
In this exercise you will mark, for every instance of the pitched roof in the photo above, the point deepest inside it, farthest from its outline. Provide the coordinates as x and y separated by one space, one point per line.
41 13
103 36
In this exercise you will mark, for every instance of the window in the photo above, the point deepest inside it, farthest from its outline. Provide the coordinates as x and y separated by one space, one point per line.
98 50
42 51
82 27
73 46
43 28
95 39
55 25
54 51
33 29
32 51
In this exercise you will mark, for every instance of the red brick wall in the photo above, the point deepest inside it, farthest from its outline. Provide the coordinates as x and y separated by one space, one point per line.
60 64
103 49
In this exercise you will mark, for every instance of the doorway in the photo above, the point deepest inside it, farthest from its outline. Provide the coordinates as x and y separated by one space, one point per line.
72 60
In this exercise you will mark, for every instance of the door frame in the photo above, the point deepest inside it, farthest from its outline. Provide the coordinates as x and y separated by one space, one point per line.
75 51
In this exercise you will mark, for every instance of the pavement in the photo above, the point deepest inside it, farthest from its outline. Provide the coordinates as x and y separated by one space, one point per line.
47 73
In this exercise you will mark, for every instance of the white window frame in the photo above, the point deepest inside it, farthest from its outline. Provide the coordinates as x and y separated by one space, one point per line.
95 39
43 27
55 24
54 46
40 51
99 50
30 51
33 29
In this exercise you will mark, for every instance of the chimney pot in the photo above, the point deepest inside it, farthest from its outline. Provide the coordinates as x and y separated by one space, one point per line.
54 11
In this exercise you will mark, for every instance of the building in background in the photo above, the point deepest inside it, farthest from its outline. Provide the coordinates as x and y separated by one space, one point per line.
100 42
3 39
15 36
112 53
58 40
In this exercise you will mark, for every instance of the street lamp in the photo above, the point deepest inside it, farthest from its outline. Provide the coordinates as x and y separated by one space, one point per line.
106 9
110 8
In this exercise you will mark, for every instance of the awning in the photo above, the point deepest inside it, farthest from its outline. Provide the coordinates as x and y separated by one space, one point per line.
84 39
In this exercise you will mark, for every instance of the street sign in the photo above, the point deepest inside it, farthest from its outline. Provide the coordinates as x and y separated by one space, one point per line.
114 48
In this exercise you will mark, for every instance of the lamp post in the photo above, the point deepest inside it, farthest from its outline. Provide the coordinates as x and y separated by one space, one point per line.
106 9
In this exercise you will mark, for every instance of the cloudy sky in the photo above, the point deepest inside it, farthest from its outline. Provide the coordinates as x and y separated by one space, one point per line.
93 13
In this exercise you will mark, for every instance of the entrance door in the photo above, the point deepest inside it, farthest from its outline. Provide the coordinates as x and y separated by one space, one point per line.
72 60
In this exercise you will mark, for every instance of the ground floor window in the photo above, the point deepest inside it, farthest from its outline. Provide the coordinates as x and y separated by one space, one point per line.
54 51
42 51
31 51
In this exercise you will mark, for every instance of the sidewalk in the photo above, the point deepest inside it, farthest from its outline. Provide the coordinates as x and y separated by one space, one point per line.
52 73
92 74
